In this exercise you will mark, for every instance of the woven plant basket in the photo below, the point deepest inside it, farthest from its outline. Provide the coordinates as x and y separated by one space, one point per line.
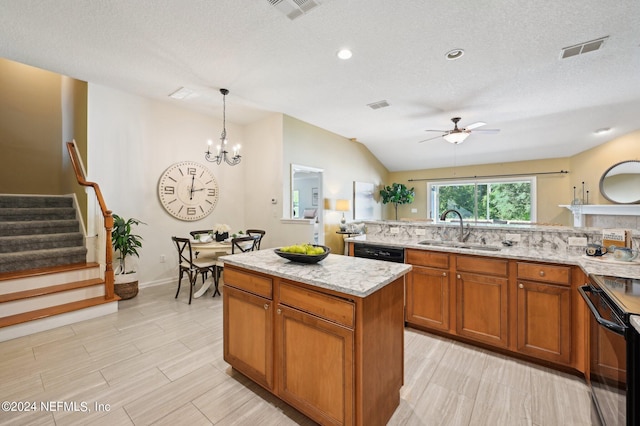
126 290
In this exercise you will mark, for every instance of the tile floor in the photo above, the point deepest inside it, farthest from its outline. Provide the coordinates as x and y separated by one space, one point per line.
159 361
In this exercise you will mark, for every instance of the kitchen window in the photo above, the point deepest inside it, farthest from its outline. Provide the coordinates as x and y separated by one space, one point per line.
485 200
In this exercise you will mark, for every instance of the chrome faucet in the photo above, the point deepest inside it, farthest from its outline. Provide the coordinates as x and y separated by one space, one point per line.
462 238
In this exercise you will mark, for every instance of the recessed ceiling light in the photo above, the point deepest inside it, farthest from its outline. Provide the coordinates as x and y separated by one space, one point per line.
454 54
602 131
344 54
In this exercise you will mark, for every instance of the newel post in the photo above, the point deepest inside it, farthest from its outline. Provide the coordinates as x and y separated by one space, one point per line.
108 271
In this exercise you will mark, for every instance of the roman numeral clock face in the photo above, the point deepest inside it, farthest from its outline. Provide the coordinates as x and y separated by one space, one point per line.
188 190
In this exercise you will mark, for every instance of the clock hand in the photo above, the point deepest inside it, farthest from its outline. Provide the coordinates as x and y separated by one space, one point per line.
191 188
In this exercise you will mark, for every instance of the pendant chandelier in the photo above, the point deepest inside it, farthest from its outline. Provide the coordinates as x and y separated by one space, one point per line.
223 154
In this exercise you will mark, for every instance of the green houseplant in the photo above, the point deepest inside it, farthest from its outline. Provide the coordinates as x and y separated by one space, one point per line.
397 193
125 243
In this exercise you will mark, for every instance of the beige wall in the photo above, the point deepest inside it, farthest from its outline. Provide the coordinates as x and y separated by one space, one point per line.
343 161
30 130
552 190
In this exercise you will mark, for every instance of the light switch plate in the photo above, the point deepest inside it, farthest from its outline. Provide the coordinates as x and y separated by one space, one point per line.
578 241
513 237
394 230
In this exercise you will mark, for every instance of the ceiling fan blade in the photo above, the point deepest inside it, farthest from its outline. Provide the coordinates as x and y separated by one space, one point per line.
487 131
441 131
430 139
475 125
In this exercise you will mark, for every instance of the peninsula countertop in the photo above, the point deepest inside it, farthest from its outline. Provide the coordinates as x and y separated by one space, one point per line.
350 275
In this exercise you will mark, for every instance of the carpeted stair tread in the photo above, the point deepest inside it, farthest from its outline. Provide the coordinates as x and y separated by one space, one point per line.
27 227
9 214
26 201
34 272
41 258
19 243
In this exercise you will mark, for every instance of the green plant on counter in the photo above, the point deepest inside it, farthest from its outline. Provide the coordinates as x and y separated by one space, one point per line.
397 193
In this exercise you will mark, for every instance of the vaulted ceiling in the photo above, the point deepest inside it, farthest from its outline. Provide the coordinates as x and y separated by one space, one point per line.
511 76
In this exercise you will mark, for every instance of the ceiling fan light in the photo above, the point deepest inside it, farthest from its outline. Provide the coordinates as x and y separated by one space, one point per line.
456 137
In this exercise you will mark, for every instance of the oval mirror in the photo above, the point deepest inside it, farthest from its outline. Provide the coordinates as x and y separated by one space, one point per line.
621 183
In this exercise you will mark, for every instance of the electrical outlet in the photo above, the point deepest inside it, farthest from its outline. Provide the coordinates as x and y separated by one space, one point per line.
394 230
578 241
162 258
414 210
513 237
420 231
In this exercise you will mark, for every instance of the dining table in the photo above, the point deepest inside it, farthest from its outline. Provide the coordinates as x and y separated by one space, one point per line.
209 248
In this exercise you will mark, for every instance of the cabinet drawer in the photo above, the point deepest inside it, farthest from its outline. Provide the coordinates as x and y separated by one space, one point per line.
256 284
482 265
322 305
545 273
427 258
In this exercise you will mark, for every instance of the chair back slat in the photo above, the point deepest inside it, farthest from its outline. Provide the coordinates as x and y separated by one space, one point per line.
260 233
244 244
184 249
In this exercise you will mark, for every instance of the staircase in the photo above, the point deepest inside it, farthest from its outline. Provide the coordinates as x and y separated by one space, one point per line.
45 281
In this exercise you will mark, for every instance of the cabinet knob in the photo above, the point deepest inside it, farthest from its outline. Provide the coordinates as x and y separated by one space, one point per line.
266 306
521 285
541 273
444 274
458 276
279 311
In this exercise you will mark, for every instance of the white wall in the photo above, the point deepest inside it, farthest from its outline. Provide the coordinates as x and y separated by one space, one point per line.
132 140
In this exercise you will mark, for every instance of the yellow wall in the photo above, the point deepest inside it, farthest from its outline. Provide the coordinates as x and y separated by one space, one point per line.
552 190
30 130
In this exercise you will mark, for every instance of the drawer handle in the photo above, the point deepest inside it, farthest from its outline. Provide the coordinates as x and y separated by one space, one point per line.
541 273
266 306
521 285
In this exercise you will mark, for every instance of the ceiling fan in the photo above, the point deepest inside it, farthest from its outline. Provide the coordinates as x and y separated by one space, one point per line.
458 135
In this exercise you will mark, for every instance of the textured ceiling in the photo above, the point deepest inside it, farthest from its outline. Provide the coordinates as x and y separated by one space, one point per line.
511 75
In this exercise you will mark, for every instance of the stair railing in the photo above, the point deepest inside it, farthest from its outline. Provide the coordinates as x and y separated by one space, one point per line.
107 216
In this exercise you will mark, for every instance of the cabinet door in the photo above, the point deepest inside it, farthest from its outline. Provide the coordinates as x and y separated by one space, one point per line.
482 308
544 321
428 298
315 361
248 335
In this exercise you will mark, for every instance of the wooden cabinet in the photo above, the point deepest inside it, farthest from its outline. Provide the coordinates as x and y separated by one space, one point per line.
337 358
481 299
428 294
544 311
248 334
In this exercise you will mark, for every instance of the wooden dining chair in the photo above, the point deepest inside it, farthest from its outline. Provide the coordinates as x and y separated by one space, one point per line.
192 267
259 232
238 245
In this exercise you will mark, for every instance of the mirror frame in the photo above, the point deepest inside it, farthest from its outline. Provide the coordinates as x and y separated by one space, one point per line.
604 175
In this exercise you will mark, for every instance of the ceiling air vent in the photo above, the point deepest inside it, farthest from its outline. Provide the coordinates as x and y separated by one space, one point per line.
294 8
581 48
378 105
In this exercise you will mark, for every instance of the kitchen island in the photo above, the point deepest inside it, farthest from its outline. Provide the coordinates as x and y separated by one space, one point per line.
327 338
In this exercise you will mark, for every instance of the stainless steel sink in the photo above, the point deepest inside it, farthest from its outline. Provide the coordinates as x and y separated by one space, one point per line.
455 244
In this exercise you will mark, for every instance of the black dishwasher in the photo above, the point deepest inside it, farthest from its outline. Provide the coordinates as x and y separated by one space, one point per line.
372 251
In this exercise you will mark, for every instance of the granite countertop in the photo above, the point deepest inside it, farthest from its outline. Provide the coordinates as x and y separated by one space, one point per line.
350 275
590 265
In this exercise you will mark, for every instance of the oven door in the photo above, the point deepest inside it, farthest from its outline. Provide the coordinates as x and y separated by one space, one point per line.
607 358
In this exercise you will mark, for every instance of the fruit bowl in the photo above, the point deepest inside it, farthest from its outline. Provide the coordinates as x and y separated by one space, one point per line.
304 258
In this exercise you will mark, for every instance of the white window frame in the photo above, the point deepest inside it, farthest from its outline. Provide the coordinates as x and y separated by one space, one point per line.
531 179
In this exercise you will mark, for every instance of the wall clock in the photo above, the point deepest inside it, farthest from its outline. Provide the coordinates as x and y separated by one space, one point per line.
188 190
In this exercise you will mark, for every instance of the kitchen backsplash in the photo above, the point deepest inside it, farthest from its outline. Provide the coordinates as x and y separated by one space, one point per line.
530 236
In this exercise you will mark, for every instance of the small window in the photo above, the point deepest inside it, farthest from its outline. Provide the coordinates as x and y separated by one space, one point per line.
485 201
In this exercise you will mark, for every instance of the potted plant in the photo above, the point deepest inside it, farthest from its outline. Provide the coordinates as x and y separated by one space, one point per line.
397 193
126 244
221 231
